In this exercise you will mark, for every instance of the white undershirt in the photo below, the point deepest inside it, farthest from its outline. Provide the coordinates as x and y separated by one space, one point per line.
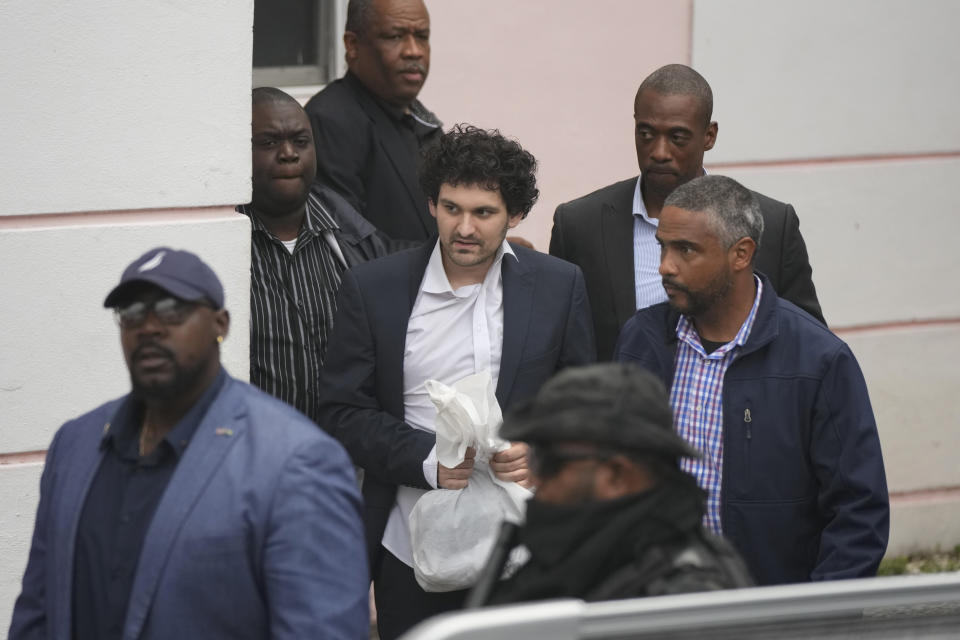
329 238
451 335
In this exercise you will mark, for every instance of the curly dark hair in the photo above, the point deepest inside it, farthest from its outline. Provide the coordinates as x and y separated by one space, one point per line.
468 155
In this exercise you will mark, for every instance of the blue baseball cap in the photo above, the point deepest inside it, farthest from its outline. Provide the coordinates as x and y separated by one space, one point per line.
179 273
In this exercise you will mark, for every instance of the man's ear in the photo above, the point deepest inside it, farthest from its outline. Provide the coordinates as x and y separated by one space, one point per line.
350 44
742 253
711 136
433 207
221 319
612 478
514 220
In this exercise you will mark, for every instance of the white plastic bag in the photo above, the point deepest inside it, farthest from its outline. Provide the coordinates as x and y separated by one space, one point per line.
452 531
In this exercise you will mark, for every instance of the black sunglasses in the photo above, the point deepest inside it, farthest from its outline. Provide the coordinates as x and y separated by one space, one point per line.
167 310
545 462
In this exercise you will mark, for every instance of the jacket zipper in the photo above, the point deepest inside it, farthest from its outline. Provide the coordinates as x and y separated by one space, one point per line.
748 436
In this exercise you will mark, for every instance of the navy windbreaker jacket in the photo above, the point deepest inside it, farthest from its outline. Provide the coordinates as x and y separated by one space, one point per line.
804 494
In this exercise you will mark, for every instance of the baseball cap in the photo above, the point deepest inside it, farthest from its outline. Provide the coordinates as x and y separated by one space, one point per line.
616 405
179 273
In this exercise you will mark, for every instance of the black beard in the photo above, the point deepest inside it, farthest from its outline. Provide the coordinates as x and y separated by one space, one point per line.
699 302
183 380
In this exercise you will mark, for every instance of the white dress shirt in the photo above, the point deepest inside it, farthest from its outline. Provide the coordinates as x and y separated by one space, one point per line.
646 255
451 334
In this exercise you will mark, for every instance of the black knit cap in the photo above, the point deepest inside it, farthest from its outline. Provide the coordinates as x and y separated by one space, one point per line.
616 405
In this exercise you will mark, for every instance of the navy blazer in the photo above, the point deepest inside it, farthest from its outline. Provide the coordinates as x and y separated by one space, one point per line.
803 489
546 326
595 232
257 534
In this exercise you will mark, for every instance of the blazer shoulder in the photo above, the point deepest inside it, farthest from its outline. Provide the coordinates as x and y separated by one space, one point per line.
94 421
337 102
534 260
275 425
614 194
770 206
388 264
390 271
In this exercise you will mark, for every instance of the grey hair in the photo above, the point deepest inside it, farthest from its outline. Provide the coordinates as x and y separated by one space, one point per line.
733 210
359 16
679 79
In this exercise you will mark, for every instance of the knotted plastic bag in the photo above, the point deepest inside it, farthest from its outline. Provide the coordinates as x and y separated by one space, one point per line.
453 531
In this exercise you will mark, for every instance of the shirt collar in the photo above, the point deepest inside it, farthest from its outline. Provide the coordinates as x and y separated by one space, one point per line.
123 432
435 278
687 332
316 221
639 207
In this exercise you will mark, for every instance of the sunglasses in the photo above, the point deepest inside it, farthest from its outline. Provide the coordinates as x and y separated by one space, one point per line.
167 311
546 462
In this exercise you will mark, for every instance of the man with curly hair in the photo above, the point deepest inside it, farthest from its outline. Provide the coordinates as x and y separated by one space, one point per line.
465 303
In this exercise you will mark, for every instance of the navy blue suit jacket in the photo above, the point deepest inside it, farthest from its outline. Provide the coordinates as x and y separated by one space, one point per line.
257 534
546 326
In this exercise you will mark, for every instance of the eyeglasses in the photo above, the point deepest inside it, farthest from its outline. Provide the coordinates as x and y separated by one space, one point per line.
168 311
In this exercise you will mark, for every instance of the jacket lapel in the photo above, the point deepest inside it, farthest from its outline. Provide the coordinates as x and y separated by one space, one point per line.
84 460
517 304
394 339
220 428
616 222
395 149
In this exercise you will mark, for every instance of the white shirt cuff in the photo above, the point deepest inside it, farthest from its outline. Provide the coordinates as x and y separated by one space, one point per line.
430 467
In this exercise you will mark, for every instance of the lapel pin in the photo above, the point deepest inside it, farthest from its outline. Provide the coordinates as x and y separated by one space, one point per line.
223 431
106 428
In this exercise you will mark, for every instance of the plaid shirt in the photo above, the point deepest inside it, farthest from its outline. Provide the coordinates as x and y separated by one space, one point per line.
696 398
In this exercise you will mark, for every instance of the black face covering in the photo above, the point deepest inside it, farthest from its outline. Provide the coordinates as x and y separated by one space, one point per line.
575 547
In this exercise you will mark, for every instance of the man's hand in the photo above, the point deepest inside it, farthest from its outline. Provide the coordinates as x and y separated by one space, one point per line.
457 477
511 465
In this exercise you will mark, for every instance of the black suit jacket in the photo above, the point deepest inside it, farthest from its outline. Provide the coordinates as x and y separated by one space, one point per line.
595 232
362 155
546 326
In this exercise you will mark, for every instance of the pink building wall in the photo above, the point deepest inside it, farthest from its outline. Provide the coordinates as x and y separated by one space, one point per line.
560 77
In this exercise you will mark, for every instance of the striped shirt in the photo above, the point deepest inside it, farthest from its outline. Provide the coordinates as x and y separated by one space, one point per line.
646 255
292 303
696 398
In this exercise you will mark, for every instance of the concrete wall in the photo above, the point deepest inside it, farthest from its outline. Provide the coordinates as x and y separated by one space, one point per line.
125 125
847 110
